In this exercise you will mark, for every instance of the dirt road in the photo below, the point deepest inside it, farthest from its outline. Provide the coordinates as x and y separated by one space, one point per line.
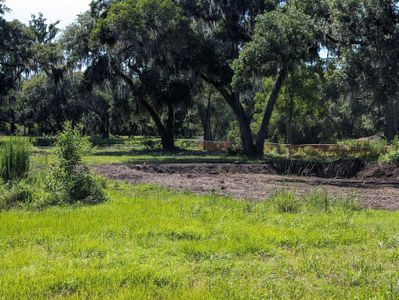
252 181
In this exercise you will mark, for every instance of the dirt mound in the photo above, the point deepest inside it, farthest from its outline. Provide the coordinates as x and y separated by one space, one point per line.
205 168
348 168
380 172
257 181
337 169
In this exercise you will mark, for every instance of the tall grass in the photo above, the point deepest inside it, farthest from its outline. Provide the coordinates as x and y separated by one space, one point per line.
393 155
15 159
151 243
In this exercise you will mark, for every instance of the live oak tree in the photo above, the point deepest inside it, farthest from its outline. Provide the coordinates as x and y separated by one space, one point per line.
48 58
366 36
149 45
283 40
16 42
244 68
223 28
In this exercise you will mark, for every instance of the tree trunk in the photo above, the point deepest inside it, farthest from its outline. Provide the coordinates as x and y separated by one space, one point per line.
168 142
105 126
233 100
13 126
247 142
262 134
166 132
391 127
205 117
290 119
168 137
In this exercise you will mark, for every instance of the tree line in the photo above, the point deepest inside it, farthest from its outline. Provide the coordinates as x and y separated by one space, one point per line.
294 71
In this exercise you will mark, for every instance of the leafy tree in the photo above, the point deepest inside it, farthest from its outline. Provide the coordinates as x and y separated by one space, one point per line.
147 45
303 113
367 41
15 57
40 106
283 40
48 58
223 28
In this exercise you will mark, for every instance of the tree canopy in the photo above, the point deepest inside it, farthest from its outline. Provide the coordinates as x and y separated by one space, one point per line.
252 71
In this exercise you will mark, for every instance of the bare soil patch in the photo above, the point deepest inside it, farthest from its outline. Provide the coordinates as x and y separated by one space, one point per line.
380 173
259 181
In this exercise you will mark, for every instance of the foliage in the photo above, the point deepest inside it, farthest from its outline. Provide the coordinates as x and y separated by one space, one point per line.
44 141
15 159
25 194
303 113
393 154
367 36
287 71
70 147
70 180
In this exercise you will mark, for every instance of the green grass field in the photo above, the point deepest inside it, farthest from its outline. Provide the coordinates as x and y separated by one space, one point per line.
151 243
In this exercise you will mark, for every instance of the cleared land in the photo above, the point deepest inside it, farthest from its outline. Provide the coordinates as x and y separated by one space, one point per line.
258 181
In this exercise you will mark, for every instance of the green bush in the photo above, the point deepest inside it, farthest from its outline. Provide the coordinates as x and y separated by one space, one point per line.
98 140
151 144
20 194
44 141
70 181
15 159
393 154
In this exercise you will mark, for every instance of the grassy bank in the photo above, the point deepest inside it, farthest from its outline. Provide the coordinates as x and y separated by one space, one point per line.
151 243
146 149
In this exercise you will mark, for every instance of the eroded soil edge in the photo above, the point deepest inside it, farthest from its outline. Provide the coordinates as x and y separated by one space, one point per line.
376 186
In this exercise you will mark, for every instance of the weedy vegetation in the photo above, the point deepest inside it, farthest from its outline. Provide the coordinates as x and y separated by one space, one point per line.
393 155
66 181
148 242
15 159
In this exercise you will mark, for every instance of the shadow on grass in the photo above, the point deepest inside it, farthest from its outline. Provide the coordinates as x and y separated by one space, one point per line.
177 156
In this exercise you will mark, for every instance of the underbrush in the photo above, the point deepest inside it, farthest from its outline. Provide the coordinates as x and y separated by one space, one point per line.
152 243
369 151
70 180
393 155
44 141
67 181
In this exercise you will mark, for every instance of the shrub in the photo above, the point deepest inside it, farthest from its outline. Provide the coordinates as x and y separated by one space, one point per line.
44 141
15 159
151 144
70 180
19 194
98 140
393 154
70 147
